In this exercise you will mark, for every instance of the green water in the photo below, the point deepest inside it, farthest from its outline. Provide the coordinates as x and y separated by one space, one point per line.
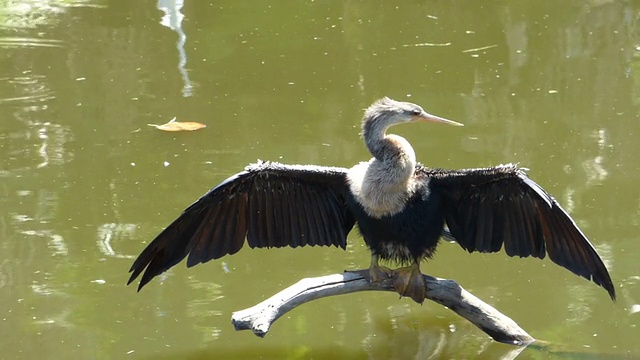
86 184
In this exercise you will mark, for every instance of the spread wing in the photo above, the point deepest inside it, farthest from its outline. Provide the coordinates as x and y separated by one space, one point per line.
488 208
269 204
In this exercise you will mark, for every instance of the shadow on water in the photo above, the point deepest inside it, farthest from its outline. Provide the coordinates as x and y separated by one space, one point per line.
435 348
492 351
543 350
259 352
401 338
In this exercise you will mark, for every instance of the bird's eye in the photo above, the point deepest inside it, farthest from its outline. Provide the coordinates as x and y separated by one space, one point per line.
415 112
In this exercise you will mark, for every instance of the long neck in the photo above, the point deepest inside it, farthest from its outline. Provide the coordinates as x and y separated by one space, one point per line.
392 152
374 136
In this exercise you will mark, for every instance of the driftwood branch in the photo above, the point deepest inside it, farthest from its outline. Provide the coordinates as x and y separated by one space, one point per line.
445 292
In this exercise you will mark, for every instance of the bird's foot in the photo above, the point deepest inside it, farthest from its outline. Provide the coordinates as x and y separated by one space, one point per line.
379 273
408 281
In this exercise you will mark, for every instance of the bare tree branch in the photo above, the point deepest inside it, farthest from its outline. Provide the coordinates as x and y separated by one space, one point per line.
442 291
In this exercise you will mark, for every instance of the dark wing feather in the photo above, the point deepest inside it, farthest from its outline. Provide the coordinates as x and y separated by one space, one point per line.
270 204
488 208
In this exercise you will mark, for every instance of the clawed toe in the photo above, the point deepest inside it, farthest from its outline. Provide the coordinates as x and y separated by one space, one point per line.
379 273
409 282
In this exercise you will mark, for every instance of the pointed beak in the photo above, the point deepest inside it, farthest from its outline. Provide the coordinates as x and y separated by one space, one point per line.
426 117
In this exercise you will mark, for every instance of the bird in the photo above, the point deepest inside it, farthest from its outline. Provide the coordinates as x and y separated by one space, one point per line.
401 208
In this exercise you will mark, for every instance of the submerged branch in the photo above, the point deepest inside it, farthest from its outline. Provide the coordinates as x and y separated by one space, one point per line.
260 317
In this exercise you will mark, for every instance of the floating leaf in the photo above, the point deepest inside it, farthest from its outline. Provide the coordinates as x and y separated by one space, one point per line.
174 125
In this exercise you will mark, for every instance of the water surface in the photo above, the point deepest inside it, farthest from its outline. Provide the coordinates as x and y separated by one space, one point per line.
86 184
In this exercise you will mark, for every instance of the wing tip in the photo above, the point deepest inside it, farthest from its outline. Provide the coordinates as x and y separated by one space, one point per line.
136 271
132 278
607 284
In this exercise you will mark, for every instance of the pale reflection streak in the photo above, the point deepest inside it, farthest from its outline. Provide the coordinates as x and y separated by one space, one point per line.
42 134
173 20
595 169
36 234
33 143
628 285
31 87
6 274
52 139
204 308
580 310
31 14
15 42
55 242
108 232
31 91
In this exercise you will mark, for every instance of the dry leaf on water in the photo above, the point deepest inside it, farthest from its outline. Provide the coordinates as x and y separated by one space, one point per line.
174 125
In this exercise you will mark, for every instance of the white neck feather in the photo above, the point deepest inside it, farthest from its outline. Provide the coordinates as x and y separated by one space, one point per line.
384 184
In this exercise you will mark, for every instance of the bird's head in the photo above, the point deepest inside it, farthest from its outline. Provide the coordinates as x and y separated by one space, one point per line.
387 112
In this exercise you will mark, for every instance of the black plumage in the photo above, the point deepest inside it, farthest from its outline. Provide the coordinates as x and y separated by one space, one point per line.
269 204
275 205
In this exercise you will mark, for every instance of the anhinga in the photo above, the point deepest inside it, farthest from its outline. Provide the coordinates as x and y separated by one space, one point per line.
401 207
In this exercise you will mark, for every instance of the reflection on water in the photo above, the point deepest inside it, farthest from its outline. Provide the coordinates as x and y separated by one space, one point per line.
206 307
20 42
29 14
112 235
37 146
556 91
173 20
31 140
596 168
28 88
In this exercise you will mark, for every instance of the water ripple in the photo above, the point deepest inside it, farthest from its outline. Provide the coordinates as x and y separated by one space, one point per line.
21 42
